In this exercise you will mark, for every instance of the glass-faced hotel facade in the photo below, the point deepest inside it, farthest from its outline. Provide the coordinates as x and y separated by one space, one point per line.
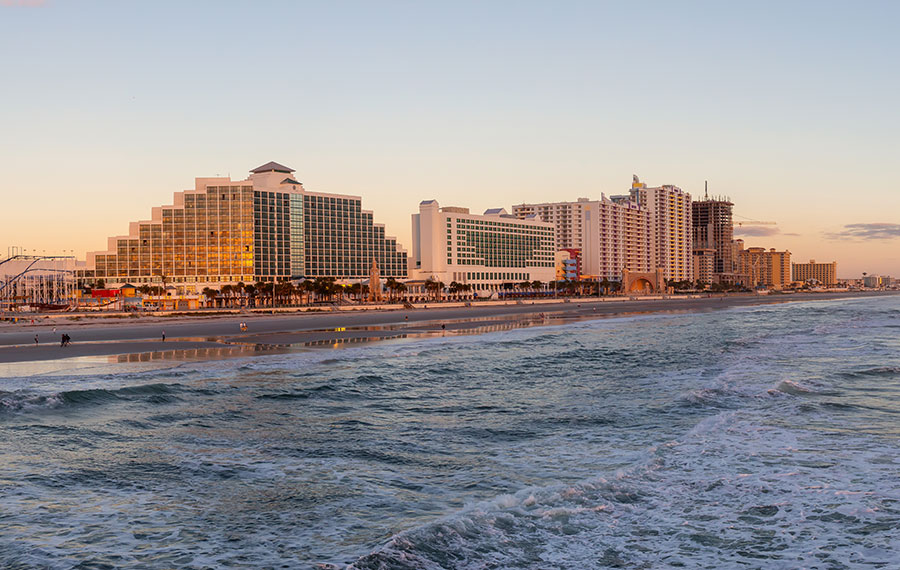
265 228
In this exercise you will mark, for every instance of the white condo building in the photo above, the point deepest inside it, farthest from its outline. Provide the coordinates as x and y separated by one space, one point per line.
619 236
612 234
670 221
484 251
567 217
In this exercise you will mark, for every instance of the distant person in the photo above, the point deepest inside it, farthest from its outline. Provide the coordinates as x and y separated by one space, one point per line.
406 318
443 327
164 336
35 340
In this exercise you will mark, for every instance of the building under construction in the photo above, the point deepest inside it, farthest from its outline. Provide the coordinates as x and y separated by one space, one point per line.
713 229
37 282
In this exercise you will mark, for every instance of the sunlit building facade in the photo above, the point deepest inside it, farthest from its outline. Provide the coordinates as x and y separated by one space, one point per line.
821 273
618 236
761 267
264 228
670 220
484 251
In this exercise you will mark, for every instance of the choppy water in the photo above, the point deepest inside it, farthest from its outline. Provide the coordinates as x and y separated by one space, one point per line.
763 438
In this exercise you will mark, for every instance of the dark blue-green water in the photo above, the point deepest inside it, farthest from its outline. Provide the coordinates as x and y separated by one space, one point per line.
762 437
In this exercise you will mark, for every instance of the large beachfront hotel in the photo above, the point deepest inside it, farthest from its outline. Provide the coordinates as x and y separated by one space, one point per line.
264 228
484 251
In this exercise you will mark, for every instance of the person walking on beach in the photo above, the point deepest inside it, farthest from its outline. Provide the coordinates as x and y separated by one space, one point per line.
35 340
164 336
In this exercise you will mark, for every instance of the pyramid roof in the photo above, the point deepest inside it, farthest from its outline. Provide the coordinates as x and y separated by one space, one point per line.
272 167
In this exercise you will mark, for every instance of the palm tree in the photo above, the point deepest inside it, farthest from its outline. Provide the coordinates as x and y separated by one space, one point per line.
435 287
250 290
399 288
227 291
262 291
354 289
286 290
239 291
605 285
324 287
308 287
210 295
391 285
536 285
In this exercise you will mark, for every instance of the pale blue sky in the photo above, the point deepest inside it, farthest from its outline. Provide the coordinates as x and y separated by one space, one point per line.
789 108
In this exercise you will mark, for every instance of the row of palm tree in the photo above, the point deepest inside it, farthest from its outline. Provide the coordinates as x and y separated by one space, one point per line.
268 294
325 289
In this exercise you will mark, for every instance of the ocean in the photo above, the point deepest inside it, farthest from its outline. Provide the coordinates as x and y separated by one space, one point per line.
754 437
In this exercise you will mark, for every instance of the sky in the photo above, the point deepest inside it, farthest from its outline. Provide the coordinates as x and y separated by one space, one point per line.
789 108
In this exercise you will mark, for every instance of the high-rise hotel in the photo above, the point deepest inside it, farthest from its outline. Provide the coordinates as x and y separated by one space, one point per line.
264 228
482 250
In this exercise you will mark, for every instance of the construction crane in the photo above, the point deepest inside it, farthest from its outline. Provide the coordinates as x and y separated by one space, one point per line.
748 222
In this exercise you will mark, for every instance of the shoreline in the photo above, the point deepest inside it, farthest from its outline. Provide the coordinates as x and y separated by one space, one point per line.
217 336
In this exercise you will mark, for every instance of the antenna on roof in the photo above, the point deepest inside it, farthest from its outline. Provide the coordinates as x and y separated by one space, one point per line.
706 189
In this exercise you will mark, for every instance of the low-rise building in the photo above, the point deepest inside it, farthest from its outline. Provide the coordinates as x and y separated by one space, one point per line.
761 267
705 265
819 273
568 265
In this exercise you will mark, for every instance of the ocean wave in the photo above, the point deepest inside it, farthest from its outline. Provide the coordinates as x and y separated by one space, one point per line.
18 402
24 401
875 371
793 388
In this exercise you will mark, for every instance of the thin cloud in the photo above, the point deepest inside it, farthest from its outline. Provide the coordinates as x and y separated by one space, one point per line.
755 232
870 231
791 234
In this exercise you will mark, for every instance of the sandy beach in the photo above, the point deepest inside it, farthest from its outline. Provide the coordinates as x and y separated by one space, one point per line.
217 336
